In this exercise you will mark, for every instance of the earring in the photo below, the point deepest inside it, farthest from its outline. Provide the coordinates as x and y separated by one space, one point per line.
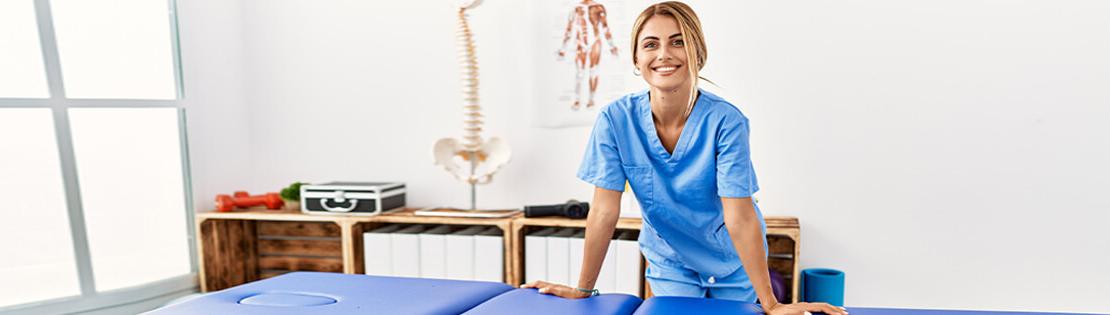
636 71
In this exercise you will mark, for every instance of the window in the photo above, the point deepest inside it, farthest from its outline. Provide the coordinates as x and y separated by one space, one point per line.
131 194
20 53
93 167
38 262
115 49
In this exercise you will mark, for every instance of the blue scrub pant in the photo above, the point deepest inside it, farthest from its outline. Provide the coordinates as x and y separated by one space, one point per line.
668 278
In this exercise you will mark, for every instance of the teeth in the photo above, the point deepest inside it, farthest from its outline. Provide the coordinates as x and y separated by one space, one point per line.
665 69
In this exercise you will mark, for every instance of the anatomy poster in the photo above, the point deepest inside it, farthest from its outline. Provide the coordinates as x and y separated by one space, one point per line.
582 59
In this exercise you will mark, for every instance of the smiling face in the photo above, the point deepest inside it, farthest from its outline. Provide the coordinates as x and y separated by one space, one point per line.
661 54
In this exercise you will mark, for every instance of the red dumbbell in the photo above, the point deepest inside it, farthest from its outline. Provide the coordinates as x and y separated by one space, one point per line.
242 199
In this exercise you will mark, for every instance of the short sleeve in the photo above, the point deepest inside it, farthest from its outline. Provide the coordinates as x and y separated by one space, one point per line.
601 164
735 174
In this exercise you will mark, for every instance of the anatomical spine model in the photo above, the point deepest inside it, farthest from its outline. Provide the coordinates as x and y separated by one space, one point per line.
473 160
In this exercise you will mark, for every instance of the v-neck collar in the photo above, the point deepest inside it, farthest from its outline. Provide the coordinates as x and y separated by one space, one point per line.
648 124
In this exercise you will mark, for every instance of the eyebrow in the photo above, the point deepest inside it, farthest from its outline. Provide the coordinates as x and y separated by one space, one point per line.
657 38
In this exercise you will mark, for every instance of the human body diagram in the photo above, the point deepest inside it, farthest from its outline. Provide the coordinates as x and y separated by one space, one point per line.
587 22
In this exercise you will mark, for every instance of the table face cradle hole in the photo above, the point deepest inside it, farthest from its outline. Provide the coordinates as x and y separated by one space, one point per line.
286 299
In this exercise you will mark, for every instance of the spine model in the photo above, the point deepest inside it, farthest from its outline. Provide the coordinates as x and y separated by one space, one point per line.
474 160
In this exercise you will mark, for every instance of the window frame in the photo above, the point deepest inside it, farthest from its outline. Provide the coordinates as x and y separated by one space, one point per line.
89 299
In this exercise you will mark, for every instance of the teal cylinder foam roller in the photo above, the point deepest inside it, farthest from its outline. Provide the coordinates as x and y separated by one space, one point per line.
823 285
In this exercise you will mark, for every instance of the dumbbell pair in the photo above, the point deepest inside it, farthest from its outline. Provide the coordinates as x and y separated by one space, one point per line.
242 199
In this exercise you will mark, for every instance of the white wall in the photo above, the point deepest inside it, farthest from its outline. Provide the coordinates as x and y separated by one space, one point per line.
217 115
945 154
361 90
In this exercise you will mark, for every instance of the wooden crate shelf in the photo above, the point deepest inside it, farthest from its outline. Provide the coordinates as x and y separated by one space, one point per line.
783 236
783 242
244 246
228 254
296 246
522 226
408 217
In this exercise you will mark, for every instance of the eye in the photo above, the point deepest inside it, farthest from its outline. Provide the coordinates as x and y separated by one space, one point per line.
678 43
649 45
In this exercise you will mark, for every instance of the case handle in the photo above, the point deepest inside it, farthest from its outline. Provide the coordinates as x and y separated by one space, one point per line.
339 197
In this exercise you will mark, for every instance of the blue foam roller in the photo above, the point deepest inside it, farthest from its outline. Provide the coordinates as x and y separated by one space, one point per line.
823 285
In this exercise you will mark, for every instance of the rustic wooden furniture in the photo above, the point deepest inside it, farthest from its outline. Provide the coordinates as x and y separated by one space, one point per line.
523 226
243 246
783 236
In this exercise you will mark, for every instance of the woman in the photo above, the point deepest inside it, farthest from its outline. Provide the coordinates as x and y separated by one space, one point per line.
685 153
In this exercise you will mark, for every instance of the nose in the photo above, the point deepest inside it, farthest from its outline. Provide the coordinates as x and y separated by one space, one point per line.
661 55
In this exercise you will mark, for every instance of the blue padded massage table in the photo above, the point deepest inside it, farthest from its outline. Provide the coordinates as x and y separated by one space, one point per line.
685 305
332 293
530 302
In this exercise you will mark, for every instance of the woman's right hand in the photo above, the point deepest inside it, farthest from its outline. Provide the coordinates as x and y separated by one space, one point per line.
556 289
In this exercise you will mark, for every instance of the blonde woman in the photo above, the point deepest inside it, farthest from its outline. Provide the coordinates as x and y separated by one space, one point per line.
685 153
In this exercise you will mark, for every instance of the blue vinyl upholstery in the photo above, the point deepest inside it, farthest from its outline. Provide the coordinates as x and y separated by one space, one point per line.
530 302
333 293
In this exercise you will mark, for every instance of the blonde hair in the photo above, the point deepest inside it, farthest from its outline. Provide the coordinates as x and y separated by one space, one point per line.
690 28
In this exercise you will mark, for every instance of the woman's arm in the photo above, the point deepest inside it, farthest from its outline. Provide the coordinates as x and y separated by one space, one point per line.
747 236
600 223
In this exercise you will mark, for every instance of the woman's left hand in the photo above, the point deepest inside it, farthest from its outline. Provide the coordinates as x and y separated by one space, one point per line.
803 308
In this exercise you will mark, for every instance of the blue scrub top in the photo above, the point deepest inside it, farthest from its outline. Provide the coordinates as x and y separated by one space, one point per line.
679 192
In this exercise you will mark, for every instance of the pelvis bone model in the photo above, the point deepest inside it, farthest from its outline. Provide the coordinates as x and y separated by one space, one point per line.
473 160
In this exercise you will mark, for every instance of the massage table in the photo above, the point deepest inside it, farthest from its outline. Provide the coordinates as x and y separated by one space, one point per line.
310 293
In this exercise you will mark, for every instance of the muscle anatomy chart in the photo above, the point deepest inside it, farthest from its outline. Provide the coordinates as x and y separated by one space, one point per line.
589 25
580 57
